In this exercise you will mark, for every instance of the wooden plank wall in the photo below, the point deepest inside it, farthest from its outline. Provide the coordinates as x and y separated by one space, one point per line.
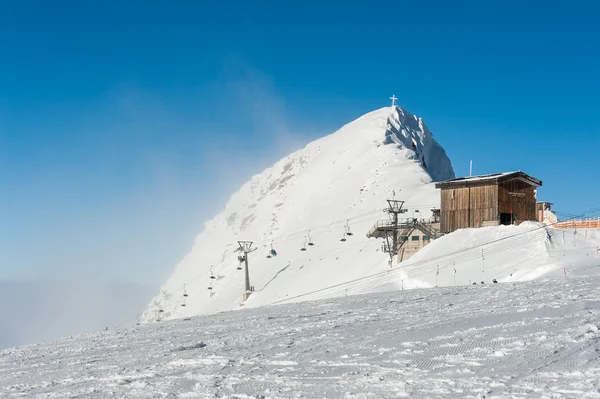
470 206
524 206
484 204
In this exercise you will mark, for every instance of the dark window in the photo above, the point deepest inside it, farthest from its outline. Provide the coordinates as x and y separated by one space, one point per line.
505 219
425 238
415 238
405 238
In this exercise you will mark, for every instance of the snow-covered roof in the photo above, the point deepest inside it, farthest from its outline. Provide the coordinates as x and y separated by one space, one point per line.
491 178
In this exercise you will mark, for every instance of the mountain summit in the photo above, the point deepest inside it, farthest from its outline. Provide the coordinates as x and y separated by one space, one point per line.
313 207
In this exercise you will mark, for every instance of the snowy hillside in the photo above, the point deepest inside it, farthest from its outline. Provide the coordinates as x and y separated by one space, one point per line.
505 253
336 184
514 340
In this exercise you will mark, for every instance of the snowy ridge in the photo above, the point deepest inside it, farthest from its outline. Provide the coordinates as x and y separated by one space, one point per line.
338 180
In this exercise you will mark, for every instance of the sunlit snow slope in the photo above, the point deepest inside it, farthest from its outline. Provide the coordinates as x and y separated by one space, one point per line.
504 253
313 193
537 339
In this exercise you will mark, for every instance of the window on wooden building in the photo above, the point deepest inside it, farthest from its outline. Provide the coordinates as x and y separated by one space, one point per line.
415 238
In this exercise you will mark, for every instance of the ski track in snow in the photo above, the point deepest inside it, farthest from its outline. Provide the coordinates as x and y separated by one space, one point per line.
537 339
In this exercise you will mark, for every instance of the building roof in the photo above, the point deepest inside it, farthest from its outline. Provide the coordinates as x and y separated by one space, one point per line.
489 179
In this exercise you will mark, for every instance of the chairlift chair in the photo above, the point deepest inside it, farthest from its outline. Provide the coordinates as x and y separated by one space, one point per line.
348 232
304 246
310 239
272 251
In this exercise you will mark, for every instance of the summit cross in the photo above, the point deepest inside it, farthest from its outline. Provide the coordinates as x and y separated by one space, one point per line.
393 98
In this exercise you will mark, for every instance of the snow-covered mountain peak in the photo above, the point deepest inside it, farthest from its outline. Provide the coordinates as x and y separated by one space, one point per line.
336 183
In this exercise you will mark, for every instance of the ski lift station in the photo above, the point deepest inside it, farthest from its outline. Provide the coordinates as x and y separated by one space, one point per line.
466 202
488 200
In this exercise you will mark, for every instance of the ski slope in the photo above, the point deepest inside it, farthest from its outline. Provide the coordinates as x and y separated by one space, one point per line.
535 339
336 184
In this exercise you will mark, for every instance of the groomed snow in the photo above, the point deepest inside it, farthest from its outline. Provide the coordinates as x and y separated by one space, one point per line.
536 339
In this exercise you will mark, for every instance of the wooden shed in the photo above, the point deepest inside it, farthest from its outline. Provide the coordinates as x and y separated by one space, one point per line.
487 200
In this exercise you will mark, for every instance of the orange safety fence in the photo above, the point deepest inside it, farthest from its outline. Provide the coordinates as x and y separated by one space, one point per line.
579 224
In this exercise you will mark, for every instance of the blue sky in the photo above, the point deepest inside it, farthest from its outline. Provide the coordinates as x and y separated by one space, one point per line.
125 125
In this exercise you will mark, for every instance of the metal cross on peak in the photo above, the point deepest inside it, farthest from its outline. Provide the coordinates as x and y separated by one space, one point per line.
393 98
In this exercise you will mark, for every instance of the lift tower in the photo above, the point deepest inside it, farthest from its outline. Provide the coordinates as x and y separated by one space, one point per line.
388 229
246 248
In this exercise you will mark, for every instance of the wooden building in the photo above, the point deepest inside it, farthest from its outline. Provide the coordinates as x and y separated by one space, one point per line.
487 200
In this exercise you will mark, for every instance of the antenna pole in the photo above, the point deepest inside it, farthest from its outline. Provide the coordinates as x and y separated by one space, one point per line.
471 168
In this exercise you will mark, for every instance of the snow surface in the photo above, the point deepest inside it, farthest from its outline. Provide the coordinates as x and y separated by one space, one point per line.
510 253
342 178
536 339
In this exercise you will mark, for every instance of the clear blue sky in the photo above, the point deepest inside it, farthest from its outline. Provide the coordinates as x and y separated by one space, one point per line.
125 125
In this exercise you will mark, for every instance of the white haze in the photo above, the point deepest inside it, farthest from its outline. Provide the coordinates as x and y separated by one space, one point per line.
46 310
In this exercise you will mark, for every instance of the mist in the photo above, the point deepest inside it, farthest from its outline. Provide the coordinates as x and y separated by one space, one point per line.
47 310
160 167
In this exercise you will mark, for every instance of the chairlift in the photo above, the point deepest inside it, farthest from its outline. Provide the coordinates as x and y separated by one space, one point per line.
348 232
310 239
344 236
304 246
185 295
272 252
212 275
